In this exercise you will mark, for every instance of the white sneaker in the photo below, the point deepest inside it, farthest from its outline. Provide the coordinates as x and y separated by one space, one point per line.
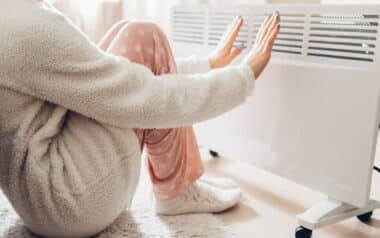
199 198
219 182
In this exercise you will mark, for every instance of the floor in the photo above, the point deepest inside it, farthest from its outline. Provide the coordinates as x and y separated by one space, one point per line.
271 203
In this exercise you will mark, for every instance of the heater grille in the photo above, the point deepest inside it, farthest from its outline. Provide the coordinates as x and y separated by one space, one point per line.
349 37
189 26
304 34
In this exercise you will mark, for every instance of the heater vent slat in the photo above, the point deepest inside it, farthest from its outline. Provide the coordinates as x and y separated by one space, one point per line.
338 34
346 16
340 53
346 29
340 57
342 41
286 51
342 45
345 23
364 52
187 40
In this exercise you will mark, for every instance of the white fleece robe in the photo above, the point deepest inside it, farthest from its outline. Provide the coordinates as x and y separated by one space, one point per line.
69 160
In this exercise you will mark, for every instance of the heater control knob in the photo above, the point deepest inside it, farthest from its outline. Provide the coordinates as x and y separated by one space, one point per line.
214 153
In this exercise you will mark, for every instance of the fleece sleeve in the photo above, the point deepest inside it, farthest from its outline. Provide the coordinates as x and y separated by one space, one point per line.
63 67
193 65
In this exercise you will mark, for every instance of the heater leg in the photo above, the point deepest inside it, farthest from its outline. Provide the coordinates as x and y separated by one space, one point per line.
214 153
330 212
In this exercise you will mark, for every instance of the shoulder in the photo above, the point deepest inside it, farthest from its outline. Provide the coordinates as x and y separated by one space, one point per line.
30 26
51 33
47 25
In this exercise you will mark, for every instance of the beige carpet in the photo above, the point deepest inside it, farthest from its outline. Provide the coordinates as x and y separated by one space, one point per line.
140 222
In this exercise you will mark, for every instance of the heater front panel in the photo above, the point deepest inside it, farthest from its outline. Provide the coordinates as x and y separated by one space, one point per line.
314 114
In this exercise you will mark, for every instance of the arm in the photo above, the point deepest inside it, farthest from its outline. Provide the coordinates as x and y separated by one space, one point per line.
68 70
193 65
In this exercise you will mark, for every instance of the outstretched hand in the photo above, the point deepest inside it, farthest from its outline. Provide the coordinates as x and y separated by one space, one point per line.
259 56
226 51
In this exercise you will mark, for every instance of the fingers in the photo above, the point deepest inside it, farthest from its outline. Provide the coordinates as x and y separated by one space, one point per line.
235 52
271 38
262 28
267 27
272 27
233 33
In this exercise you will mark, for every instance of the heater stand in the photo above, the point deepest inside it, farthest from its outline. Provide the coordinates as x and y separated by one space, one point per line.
330 212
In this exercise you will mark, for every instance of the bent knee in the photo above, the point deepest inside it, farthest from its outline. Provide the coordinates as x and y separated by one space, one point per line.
143 29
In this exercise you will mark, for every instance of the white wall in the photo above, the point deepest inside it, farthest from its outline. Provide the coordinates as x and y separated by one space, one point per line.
153 10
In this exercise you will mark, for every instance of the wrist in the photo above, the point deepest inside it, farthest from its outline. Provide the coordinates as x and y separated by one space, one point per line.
250 77
212 63
249 72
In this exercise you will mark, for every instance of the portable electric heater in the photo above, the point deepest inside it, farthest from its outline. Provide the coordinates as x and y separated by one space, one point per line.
314 115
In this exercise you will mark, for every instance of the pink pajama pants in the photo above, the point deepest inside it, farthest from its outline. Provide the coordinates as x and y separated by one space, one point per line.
174 160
